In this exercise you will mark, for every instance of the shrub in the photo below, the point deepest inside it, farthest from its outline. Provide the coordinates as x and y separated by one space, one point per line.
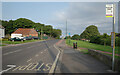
4 39
95 39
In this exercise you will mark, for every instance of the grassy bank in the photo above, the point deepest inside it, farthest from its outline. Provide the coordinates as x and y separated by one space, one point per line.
18 42
84 44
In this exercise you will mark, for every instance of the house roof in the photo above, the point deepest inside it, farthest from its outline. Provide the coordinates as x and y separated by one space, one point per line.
1 27
25 31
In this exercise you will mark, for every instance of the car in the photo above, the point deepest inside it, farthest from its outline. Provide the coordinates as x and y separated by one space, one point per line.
17 39
28 38
35 38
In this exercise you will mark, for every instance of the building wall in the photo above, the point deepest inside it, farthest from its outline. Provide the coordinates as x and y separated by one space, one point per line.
36 35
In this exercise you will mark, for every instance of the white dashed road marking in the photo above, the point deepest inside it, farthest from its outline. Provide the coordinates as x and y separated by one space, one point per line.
30 47
29 60
12 52
36 55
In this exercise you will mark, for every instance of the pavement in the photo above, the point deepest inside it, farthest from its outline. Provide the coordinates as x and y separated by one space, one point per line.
51 56
73 61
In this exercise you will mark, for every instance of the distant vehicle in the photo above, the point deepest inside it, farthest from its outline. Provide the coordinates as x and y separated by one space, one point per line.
28 38
35 38
16 35
17 39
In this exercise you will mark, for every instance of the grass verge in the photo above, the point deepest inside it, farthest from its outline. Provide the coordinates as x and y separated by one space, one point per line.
18 42
85 44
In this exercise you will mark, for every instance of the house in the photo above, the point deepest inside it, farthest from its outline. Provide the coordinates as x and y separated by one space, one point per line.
2 31
84 39
25 32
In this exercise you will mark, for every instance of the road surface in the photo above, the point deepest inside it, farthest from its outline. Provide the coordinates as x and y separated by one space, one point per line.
35 57
40 57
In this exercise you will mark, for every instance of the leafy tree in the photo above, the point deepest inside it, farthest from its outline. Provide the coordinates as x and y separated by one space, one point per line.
67 37
11 25
105 36
56 33
75 37
23 23
96 39
8 25
90 31
48 29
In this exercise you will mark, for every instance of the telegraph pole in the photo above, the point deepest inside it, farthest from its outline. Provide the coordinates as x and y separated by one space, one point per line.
66 29
41 33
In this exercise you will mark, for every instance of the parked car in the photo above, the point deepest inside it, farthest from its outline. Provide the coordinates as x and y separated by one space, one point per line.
35 38
28 38
17 39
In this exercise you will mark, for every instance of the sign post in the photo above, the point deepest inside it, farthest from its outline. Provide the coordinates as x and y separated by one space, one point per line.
110 12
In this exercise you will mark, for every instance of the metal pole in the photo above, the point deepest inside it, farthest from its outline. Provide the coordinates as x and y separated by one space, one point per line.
66 29
113 59
41 33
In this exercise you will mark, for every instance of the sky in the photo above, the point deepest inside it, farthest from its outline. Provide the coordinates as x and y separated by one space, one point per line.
78 15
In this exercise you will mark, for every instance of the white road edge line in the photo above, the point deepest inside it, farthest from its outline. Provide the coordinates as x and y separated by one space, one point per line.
55 62
11 66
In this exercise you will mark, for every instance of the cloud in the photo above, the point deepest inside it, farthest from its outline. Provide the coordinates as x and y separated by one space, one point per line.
80 15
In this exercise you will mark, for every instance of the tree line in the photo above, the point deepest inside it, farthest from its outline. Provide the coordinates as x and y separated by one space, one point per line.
91 34
12 25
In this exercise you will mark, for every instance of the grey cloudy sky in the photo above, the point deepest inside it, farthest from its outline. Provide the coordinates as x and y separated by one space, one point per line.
82 14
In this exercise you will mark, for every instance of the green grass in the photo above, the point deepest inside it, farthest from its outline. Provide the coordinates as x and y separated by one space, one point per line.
2 45
18 42
84 44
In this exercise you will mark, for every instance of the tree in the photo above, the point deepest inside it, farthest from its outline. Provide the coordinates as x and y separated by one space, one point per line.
23 23
96 39
11 25
105 36
48 29
56 33
89 32
8 25
75 37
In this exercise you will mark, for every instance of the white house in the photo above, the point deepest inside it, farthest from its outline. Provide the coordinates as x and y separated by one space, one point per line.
2 31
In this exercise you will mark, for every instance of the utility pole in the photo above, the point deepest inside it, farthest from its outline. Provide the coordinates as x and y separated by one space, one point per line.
41 33
66 29
50 33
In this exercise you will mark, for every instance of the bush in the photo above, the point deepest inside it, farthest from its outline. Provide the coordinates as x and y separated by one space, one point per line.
5 39
100 40
108 41
117 41
96 39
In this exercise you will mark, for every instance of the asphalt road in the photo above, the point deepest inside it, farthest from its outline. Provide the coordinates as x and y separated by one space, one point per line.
39 57
36 57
